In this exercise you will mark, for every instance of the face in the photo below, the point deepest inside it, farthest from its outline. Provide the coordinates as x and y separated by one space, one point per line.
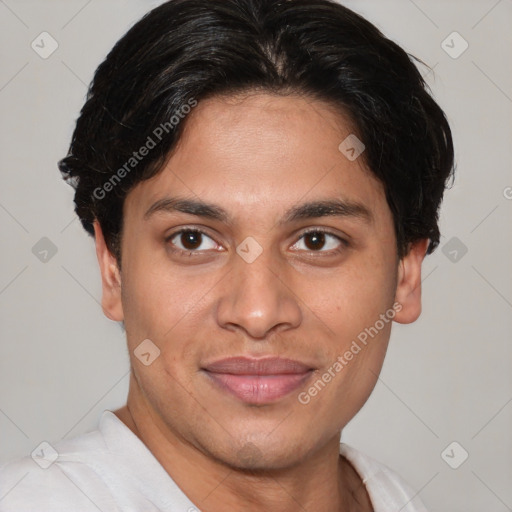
256 262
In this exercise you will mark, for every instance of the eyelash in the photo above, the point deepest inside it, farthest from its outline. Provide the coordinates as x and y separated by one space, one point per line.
343 243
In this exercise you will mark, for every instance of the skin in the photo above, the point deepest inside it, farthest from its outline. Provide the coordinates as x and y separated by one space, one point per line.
257 156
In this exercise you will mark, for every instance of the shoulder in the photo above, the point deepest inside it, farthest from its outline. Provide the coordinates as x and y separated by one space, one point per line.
387 490
55 478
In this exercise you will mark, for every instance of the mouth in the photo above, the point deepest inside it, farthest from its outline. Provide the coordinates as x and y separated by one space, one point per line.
258 381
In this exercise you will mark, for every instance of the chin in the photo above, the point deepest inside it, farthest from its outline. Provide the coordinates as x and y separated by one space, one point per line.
259 455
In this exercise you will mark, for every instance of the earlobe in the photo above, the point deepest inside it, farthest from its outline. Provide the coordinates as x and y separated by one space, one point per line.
110 277
408 290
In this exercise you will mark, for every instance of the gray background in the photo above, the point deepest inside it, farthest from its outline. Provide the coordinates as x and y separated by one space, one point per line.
446 378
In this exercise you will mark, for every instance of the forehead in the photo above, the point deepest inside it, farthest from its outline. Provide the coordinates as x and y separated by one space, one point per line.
261 152
259 123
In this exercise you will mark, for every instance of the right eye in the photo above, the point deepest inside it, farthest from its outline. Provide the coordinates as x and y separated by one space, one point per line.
191 240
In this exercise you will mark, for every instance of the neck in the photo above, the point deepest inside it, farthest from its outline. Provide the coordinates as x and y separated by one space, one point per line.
323 482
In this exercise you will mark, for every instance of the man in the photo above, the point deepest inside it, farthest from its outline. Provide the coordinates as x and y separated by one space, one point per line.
262 180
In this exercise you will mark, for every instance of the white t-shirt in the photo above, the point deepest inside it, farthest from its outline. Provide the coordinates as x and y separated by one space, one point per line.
111 470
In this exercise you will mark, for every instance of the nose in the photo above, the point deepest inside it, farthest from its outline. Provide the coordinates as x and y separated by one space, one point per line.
257 299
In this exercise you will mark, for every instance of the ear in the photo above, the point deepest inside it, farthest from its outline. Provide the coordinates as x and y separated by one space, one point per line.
408 290
110 278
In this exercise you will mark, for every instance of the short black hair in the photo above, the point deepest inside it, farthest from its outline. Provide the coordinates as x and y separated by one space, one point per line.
184 51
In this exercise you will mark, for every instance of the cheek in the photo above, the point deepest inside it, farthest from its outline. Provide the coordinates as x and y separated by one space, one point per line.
167 309
344 385
353 297
151 294
150 309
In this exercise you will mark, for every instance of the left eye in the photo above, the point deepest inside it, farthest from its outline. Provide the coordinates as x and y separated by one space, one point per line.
192 240
318 241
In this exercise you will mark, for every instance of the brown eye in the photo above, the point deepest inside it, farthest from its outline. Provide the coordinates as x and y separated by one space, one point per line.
314 240
191 240
320 241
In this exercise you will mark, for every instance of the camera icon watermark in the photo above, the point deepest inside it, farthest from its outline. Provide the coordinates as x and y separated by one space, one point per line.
250 455
44 455
351 147
44 250
249 250
454 45
454 249
454 455
44 45
146 352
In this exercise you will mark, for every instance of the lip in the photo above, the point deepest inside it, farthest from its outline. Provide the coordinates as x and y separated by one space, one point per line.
258 381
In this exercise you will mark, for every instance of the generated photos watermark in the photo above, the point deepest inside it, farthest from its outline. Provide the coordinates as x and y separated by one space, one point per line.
367 334
151 142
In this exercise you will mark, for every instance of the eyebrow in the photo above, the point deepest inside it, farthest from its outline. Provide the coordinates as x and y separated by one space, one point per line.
191 206
310 210
328 208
